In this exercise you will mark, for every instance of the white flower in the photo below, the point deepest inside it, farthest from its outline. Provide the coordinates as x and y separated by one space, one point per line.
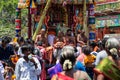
113 51
67 62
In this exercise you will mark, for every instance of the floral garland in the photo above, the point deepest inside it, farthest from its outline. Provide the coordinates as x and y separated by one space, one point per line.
113 51
67 64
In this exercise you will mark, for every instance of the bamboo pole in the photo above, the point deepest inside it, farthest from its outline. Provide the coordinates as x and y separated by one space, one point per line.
42 19
85 19
29 24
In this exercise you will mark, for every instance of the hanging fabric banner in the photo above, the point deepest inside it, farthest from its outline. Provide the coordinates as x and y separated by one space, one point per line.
33 7
91 21
91 14
18 22
92 35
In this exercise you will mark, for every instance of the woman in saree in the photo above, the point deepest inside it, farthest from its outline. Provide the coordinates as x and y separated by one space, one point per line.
67 61
109 67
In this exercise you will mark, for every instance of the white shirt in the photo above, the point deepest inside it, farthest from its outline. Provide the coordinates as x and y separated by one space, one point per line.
1 68
1 76
51 39
1 71
100 56
26 70
20 52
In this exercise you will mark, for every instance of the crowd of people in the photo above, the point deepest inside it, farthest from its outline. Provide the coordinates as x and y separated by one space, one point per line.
59 57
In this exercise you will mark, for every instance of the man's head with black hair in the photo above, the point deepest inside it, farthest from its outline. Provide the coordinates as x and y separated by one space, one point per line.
5 41
25 48
29 41
20 40
92 44
69 31
87 50
103 42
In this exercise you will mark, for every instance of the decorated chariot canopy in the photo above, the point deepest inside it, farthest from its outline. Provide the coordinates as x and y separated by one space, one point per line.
26 3
43 6
62 1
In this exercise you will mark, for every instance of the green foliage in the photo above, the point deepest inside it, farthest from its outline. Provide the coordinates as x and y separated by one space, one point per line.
7 17
7 11
7 30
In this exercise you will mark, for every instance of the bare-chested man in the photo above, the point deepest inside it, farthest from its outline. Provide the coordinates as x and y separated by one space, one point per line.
41 37
81 38
70 39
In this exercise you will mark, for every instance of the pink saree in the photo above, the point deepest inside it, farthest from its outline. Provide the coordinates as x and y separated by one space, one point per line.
60 76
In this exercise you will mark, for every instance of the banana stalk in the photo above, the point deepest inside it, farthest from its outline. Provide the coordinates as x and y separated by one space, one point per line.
85 19
42 19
